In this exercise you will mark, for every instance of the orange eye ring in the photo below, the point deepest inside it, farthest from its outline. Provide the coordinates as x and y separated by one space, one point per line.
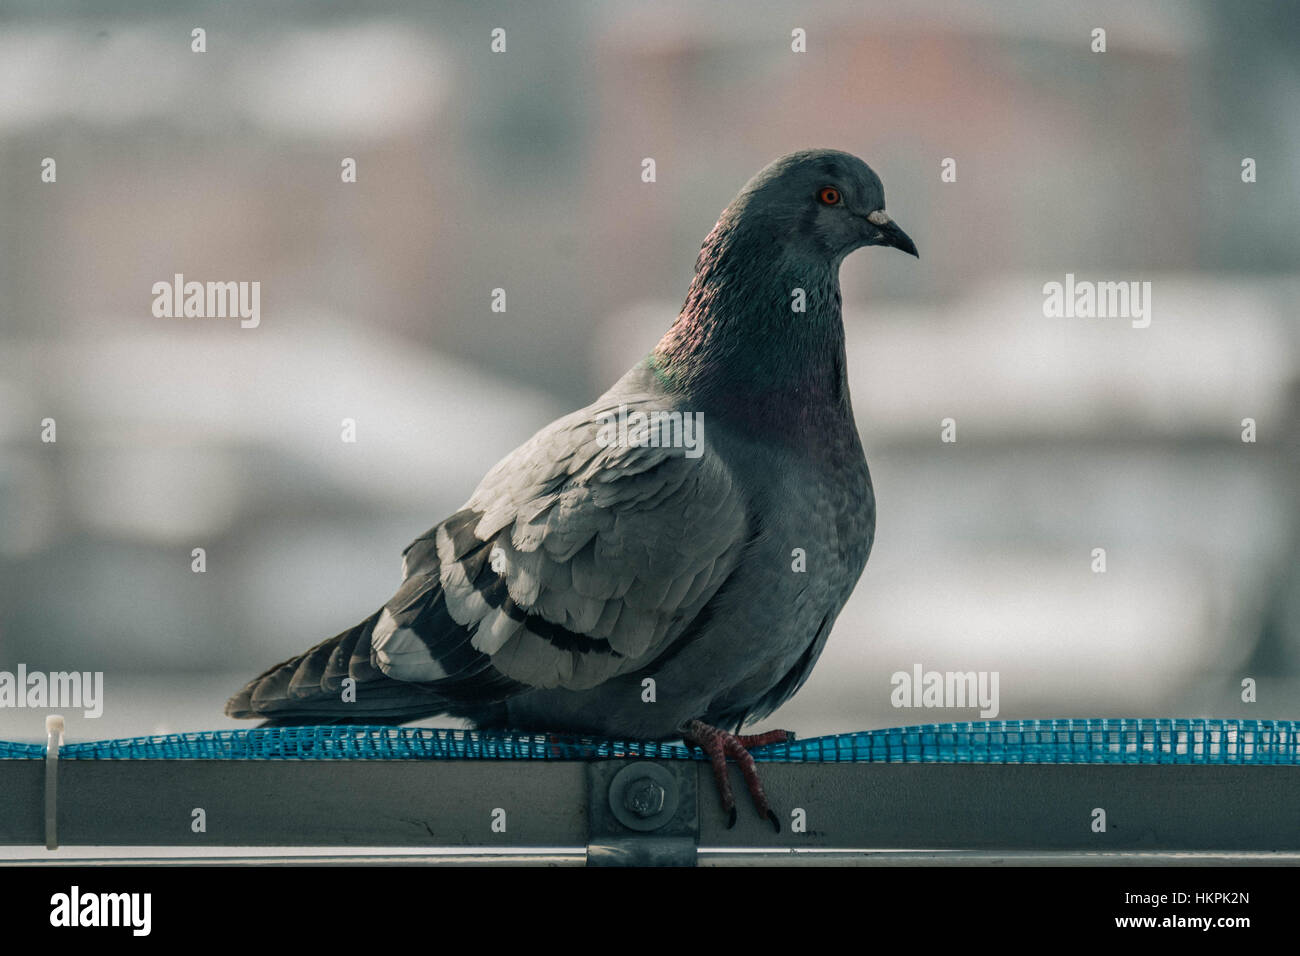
828 196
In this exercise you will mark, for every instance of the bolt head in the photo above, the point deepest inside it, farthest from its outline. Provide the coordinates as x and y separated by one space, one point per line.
644 797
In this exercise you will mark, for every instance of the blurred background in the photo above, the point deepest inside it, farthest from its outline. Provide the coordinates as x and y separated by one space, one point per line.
522 171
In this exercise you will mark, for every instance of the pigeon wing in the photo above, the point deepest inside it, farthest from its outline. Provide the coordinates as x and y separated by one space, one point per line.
579 557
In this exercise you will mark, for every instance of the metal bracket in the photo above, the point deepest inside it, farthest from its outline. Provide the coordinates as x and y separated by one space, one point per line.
642 813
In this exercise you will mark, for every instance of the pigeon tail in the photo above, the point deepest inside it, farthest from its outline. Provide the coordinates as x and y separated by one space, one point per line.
310 689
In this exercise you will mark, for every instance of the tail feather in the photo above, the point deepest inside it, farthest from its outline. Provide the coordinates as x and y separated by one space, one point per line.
308 689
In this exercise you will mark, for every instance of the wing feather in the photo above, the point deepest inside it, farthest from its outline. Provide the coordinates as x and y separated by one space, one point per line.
575 561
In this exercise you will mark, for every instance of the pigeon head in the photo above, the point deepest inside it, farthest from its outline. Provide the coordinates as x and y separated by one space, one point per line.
760 338
820 204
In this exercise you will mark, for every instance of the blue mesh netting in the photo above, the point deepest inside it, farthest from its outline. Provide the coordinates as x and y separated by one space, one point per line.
10 750
1097 741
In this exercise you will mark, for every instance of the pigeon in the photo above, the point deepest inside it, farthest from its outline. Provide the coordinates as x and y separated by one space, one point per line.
666 563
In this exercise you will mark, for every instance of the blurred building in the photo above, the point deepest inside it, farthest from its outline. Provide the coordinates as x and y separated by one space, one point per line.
522 171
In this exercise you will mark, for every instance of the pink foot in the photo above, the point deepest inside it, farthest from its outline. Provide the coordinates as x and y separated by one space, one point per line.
719 745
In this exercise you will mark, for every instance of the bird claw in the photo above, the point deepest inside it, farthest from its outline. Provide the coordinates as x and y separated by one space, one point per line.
719 745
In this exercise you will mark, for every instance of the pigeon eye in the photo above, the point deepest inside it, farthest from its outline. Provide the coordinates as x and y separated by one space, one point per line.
829 196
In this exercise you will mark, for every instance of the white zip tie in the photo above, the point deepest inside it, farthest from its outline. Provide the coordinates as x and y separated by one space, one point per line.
53 741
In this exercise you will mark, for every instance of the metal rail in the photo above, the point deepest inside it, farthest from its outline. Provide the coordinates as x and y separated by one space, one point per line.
606 814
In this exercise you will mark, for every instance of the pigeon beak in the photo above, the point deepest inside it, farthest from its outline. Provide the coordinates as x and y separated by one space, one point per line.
890 234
